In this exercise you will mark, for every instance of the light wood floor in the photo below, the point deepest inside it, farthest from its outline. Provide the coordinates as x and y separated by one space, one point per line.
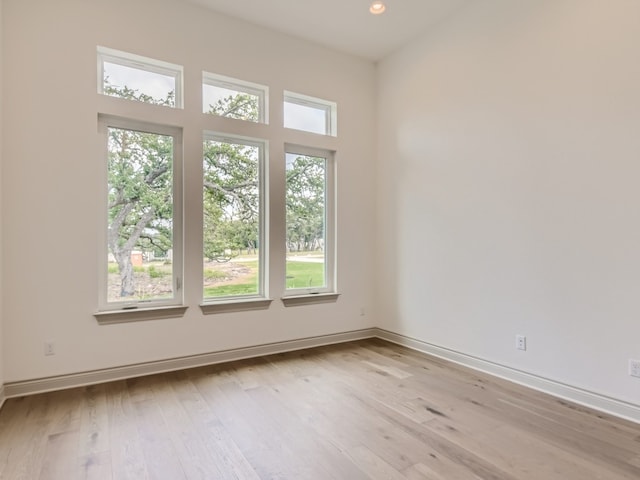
359 410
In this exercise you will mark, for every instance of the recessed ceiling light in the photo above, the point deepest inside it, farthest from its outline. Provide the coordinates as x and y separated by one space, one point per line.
377 8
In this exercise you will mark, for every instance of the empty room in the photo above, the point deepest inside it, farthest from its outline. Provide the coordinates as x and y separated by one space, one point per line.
320 240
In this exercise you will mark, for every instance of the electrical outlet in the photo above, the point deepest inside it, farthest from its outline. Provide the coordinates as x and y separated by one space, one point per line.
49 348
634 368
521 342
363 311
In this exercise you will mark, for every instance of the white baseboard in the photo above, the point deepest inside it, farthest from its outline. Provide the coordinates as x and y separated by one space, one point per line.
583 397
61 382
586 398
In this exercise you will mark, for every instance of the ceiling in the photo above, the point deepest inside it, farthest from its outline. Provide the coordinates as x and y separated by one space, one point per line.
345 25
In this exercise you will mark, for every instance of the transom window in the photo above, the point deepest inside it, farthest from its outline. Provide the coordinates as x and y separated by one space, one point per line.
233 98
138 78
310 114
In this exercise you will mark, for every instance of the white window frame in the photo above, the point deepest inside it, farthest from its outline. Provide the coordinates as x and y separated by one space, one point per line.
330 221
139 62
330 109
263 231
241 86
104 123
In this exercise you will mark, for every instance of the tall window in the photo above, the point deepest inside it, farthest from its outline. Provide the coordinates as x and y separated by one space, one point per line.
143 223
142 255
310 220
233 232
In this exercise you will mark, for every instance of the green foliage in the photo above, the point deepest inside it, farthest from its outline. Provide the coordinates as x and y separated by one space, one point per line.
230 199
155 272
305 199
240 106
134 94
140 190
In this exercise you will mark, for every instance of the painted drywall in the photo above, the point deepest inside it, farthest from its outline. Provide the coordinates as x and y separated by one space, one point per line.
1 195
508 191
52 217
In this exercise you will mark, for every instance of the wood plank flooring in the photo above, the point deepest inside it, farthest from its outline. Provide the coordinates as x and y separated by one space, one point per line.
360 410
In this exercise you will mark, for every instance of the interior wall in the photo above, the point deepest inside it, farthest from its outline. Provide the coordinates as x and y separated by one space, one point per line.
52 220
508 189
1 196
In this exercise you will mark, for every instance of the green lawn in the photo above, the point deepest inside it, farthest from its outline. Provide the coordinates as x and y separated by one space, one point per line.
305 274
233 289
299 275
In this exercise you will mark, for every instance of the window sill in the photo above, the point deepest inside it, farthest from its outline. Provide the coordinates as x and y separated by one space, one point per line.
236 306
309 299
139 314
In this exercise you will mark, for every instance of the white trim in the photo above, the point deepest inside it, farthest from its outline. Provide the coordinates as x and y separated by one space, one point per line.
61 382
2 395
580 396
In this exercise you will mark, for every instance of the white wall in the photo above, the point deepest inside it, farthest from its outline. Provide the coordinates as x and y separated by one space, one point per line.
1 196
52 167
508 189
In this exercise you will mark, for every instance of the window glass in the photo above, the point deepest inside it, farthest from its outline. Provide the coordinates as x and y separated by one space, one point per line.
232 226
306 217
138 78
140 216
142 255
232 98
309 114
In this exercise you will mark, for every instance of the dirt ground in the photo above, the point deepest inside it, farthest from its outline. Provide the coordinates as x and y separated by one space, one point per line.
157 287
234 273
